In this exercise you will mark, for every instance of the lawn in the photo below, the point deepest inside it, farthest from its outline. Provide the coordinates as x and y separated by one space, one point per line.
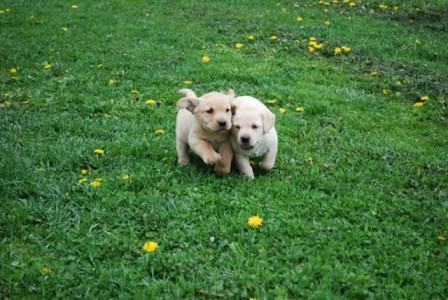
356 206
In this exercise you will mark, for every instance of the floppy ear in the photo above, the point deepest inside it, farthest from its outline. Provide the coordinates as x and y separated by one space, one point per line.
188 103
188 93
230 92
232 107
268 120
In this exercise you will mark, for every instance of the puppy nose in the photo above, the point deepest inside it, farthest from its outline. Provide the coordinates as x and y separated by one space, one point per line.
222 124
245 139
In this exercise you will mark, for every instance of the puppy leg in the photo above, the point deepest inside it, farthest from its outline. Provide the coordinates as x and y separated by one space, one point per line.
205 151
244 165
182 153
269 159
224 165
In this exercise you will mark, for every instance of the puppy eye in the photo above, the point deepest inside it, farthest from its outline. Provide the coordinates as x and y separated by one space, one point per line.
210 111
254 126
227 110
237 127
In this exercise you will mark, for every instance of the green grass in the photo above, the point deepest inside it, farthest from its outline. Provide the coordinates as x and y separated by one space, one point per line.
365 218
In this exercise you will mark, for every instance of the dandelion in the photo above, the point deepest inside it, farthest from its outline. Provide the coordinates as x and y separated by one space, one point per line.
112 82
337 51
352 4
441 238
300 109
383 6
255 221
99 66
126 177
311 49
418 104
309 160
272 102
159 131
373 73
205 59
82 180
150 246
135 92
12 71
274 38
396 8
299 19
74 6
385 92
346 49
327 23
48 66
65 29
99 151
84 171
96 183
424 98
282 110
46 270
318 46
239 45
187 82
251 37
150 102
312 39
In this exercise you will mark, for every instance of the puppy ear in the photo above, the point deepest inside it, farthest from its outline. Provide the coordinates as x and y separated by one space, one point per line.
188 103
188 93
268 120
230 92
232 107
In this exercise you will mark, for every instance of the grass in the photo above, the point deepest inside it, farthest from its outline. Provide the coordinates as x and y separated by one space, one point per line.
356 206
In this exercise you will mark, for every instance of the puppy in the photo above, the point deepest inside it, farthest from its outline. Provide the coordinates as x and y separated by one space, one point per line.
253 134
204 125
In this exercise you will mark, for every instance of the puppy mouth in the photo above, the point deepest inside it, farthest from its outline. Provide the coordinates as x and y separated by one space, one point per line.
246 147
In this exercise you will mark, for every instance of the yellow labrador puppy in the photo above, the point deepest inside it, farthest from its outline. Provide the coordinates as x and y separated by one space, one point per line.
203 124
253 134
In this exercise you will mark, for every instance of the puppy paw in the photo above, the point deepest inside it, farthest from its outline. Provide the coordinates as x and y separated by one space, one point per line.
212 158
183 161
266 165
221 169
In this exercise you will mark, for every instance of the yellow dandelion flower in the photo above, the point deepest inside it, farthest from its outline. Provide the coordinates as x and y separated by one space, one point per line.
383 6
309 160
396 8
385 92
74 6
274 38
135 92
251 37
282 110
12 71
418 104
239 45
318 46
99 151
441 238
96 183
2 11
373 73
205 59
126 177
311 49
299 19
352 4
255 221
48 66
337 51
188 82
99 66
150 246
312 38
46 270
84 171
327 23
272 102
112 82
7 10
346 49
150 102
424 98
159 131
300 109
65 29
82 180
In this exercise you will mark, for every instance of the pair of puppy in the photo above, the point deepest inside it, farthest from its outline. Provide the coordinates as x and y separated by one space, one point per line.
216 126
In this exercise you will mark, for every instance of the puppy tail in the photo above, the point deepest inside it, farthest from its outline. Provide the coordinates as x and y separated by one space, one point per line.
188 93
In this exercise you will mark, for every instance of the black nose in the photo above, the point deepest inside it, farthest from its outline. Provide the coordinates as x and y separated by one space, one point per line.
222 124
245 139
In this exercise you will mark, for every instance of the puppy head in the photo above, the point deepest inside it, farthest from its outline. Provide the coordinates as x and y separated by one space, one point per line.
212 110
249 126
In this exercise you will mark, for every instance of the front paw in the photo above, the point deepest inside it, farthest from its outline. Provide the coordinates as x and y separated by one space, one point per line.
266 165
212 158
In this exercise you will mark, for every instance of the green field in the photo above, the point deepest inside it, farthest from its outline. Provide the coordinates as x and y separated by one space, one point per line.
356 206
